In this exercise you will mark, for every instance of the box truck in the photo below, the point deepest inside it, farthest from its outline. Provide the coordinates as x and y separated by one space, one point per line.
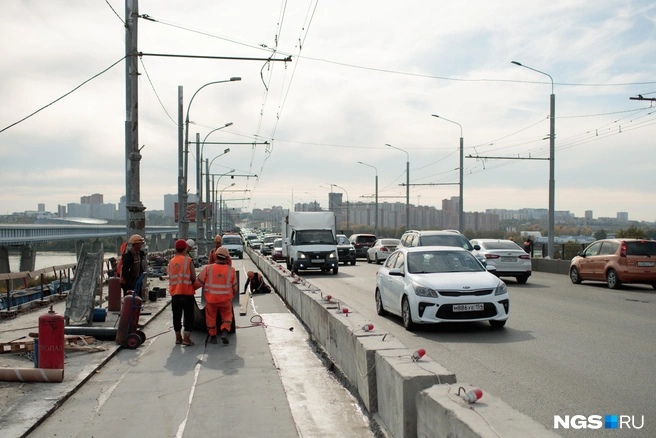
309 241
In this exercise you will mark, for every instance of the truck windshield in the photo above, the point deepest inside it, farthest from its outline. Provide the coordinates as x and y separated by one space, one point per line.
314 237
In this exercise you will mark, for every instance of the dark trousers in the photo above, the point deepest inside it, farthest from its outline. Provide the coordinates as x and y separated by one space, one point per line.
183 304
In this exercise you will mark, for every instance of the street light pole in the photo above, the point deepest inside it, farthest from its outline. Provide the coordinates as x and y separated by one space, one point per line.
552 161
461 208
183 152
407 185
221 208
376 214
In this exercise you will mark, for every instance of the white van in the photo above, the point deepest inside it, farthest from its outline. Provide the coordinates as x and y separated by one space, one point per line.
234 245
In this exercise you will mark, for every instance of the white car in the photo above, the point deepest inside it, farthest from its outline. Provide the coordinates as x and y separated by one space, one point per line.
435 284
507 257
381 249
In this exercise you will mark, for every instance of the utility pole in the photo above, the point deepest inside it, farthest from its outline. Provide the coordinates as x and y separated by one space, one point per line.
136 218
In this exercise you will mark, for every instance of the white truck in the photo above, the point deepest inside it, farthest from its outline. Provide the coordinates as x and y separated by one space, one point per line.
309 241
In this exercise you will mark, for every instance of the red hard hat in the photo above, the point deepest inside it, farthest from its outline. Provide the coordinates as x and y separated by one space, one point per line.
180 244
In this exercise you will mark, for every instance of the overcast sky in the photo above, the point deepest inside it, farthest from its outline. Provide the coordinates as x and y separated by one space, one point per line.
362 74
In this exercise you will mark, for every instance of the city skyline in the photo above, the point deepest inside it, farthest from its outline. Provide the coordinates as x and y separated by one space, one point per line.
349 87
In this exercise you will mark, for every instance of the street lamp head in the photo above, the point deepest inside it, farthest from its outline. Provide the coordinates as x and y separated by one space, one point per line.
225 151
227 124
435 115
516 63
235 78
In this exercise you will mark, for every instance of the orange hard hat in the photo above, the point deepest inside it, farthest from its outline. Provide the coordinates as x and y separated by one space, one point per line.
250 274
217 239
222 253
135 238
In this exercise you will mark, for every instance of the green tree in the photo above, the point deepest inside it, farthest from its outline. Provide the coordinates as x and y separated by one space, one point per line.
632 232
600 234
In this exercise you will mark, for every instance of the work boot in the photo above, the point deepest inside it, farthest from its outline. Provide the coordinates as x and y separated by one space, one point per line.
224 337
178 338
187 339
213 340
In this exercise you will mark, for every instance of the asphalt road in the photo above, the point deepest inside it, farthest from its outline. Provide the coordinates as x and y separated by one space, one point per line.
566 350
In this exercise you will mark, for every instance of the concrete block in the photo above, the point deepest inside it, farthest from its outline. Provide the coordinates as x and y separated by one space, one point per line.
441 412
399 379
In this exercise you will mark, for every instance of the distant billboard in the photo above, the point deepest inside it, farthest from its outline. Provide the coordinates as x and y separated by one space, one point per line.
191 211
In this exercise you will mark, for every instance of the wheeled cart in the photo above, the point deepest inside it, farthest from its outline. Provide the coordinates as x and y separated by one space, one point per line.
128 334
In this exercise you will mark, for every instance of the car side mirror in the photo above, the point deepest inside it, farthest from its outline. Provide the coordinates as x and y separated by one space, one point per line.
477 247
396 272
491 269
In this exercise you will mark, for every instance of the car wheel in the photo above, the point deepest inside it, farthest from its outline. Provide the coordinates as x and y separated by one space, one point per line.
612 280
497 324
379 304
335 271
574 276
406 313
241 256
368 259
353 262
522 279
377 260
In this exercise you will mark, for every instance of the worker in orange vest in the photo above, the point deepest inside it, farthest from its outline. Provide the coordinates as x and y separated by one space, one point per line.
219 286
182 276
218 241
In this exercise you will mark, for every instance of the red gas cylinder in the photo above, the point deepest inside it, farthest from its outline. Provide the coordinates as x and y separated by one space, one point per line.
51 340
114 294
129 319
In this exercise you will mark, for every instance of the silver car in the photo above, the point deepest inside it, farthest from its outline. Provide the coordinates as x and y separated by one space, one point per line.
506 256
435 284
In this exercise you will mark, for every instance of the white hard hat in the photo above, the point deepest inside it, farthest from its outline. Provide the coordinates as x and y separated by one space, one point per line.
191 243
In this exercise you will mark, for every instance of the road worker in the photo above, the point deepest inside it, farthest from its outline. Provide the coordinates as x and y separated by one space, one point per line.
217 244
133 264
256 282
219 282
182 277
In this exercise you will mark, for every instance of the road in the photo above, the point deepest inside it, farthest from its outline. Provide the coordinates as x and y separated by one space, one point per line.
566 350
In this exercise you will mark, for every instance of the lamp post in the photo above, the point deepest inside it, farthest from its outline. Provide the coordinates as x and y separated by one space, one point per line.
314 206
461 207
207 184
221 207
376 214
552 158
407 185
347 205
215 211
183 152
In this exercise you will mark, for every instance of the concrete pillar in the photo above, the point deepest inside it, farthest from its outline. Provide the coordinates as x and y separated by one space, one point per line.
27 258
4 260
119 242
79 244
168 240
96 246
156 244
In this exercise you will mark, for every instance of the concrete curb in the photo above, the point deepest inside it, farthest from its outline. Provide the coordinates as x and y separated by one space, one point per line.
410 398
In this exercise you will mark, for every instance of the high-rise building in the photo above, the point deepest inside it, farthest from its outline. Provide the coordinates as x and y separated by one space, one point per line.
622 216
588 214
41 208
169 205
96 198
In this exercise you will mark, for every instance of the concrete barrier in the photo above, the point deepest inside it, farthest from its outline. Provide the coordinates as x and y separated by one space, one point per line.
407 398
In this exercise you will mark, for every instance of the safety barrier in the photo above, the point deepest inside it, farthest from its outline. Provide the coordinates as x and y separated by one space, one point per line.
407 396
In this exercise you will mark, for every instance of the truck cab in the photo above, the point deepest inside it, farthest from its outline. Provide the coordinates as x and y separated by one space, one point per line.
309 241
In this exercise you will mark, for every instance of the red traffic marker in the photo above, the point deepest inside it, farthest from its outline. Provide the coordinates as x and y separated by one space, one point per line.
367 327
418 354
471 396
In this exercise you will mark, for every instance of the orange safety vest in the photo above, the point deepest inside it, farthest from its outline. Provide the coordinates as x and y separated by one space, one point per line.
180 276
218 281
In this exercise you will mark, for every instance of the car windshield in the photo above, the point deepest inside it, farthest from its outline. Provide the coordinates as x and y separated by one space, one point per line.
446 240
641 247
316 237
342 240
231 240
386 242
501 244
433 262
277 243
366 239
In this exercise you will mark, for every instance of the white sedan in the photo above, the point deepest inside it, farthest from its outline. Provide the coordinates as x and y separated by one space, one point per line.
435 284
381 249
507 257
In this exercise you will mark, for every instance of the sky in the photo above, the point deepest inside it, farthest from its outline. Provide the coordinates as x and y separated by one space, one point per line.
362 75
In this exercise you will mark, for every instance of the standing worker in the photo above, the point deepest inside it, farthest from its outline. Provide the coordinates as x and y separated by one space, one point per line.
133 264
219 287
217 244
191 245
182 277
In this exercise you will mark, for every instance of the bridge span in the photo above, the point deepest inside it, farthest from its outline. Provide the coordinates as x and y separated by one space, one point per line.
25 236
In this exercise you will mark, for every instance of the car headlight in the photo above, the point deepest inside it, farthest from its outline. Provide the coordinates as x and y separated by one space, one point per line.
351 249
423 291
301 255
501 289
332 255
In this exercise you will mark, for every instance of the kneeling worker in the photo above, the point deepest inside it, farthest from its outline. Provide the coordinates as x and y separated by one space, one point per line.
256 281
220 286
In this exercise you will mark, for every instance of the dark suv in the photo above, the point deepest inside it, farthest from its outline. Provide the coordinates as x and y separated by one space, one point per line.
440 238
361 243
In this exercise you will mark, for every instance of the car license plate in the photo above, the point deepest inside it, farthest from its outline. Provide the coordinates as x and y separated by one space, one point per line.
318 261
508 259
645 264
468 307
